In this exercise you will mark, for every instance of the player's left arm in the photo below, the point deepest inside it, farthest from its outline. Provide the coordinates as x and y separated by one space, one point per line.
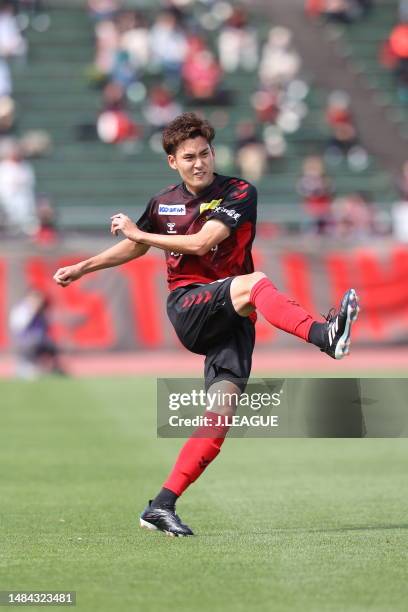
211 234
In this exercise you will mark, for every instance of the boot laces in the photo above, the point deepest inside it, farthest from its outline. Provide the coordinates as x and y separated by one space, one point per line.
330 316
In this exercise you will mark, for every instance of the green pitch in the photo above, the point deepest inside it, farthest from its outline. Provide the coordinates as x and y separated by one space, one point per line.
283 525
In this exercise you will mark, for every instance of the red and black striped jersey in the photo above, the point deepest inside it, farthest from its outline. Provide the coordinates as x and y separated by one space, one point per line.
176 211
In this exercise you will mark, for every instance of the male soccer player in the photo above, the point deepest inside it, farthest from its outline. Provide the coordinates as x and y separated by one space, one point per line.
206 226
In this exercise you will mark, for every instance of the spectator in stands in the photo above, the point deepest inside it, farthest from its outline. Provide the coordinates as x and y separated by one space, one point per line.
17 190
117 126
107 44
201 73
123 73
168 44
12 43
343 140
238 43
353 217
46 233
251 153
161 108
338 110
280 63
30 326
266 104
316 190
134 39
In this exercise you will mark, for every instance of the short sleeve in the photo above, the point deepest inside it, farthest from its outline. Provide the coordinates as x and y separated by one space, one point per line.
238 206
146 221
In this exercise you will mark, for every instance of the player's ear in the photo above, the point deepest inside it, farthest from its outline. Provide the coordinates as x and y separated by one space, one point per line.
172 162
212 150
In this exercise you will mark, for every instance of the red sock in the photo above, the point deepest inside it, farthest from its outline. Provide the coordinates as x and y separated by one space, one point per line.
196 454
280 310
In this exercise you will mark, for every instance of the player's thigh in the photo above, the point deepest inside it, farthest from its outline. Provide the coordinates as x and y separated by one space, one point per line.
203 315
231 358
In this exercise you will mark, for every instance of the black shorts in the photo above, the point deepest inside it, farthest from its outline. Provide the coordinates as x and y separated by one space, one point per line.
206 323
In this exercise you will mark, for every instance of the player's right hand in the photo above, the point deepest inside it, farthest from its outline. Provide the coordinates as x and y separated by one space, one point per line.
65 276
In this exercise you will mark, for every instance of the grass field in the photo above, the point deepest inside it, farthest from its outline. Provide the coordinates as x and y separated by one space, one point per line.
284 524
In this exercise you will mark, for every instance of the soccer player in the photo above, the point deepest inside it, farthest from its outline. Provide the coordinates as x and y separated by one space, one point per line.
206 226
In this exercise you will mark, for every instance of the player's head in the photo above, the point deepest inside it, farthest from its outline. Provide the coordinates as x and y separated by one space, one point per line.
188 143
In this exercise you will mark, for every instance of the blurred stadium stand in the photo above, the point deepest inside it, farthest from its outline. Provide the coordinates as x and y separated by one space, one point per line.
88 179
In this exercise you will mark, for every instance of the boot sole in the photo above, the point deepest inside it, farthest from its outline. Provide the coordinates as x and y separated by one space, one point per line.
343 345
150 527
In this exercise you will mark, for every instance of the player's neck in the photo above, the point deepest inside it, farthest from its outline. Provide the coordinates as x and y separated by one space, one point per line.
197 192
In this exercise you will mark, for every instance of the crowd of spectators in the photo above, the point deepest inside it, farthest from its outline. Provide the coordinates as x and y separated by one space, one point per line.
163 62
354 216
19 212
150 66
279 100
393 53
160 65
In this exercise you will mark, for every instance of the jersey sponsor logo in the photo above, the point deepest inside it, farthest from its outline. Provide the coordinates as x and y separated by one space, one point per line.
209 205
172 209
229 211
170 228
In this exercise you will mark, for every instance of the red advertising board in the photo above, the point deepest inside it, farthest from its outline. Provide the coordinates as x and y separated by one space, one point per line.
124 308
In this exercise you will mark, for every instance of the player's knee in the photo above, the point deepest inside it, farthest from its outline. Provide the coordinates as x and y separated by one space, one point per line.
241 287
256 276
226 411
253 278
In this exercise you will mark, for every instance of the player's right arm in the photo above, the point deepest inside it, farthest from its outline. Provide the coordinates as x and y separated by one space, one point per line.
124 251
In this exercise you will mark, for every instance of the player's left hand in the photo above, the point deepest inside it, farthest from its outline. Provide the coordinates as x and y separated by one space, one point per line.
122 223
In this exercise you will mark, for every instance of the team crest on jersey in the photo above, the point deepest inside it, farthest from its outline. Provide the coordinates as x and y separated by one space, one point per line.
209 205
170 228
172 209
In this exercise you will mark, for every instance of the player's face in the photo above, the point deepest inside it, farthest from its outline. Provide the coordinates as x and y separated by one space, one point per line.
194 160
